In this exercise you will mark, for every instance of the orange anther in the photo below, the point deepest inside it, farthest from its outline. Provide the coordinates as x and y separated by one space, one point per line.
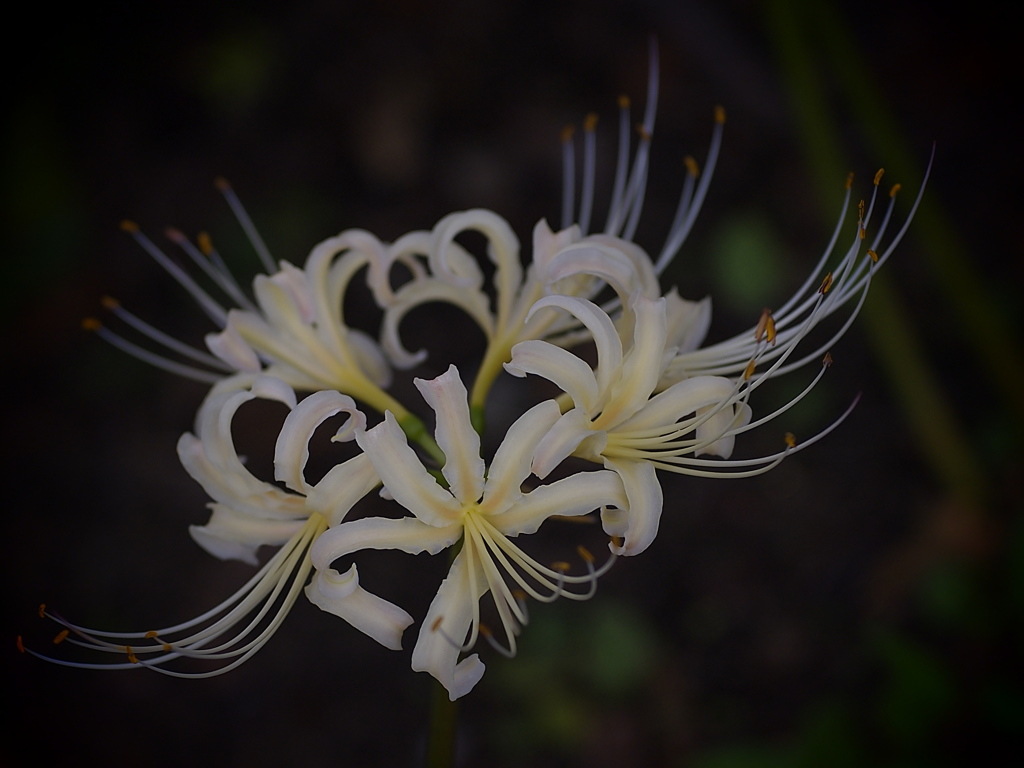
878 176
109 302
585 553
205 245
623 102
61 636
825 284
42 610
895 188
691 166
91 324
590 122
129 226
849 180
790 440
151 634
567 133
749 370
21 645
131 655
872 255
561 566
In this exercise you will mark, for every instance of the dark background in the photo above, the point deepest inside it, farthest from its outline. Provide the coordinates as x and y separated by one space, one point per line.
860 605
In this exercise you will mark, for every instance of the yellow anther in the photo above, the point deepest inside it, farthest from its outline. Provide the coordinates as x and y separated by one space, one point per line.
151 634
129 226
827 360
862 233
109 302
518 594
861 206
849 180
585 554
872 255
825 284
749 370
203 240
623 102
567 133
762 324
91 324
484 630
790 440
590 122
561 566
719 114
437 624
878 176
644 134
895 188
42 610
166 647
61 636
21 645
131 655
691 166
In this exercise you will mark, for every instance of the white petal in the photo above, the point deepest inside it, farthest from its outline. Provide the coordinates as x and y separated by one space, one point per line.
559 366
341 595
572 496
230 347
687 321
679 401
561 440
460 443
232 536
642 367
342 487
446 624
404 476
292 449
513 459
370 357
406 534
645 504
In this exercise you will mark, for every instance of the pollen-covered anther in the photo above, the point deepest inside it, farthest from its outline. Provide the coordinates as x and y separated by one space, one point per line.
204 243
872 255
691 166
129 226
21 645
61 636
585 554
790 439
827 360
878 176
749 370
719 114
895 188
590 122
825 284
765 327
561 566
642 132
567 133
42 610
91 324
131 654
623 102
109 302
849 180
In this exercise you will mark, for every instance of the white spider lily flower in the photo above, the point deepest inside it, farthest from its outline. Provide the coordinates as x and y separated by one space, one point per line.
293 329
247 513
617 419
486 509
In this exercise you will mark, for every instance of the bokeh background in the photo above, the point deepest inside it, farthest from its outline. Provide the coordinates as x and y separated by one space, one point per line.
863 604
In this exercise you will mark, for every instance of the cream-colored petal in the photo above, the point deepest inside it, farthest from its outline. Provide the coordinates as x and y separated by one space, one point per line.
513 459
559 366
292 449
641 368
561 440
447 622
342 487
571 496
460 443
230 347
230 535
341 595
687 321
406 534
645 501
404 475
679 401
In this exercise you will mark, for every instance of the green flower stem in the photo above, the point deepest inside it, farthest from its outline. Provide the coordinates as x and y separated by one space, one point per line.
444 718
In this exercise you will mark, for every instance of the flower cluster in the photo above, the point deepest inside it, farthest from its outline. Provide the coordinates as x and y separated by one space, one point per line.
654 400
